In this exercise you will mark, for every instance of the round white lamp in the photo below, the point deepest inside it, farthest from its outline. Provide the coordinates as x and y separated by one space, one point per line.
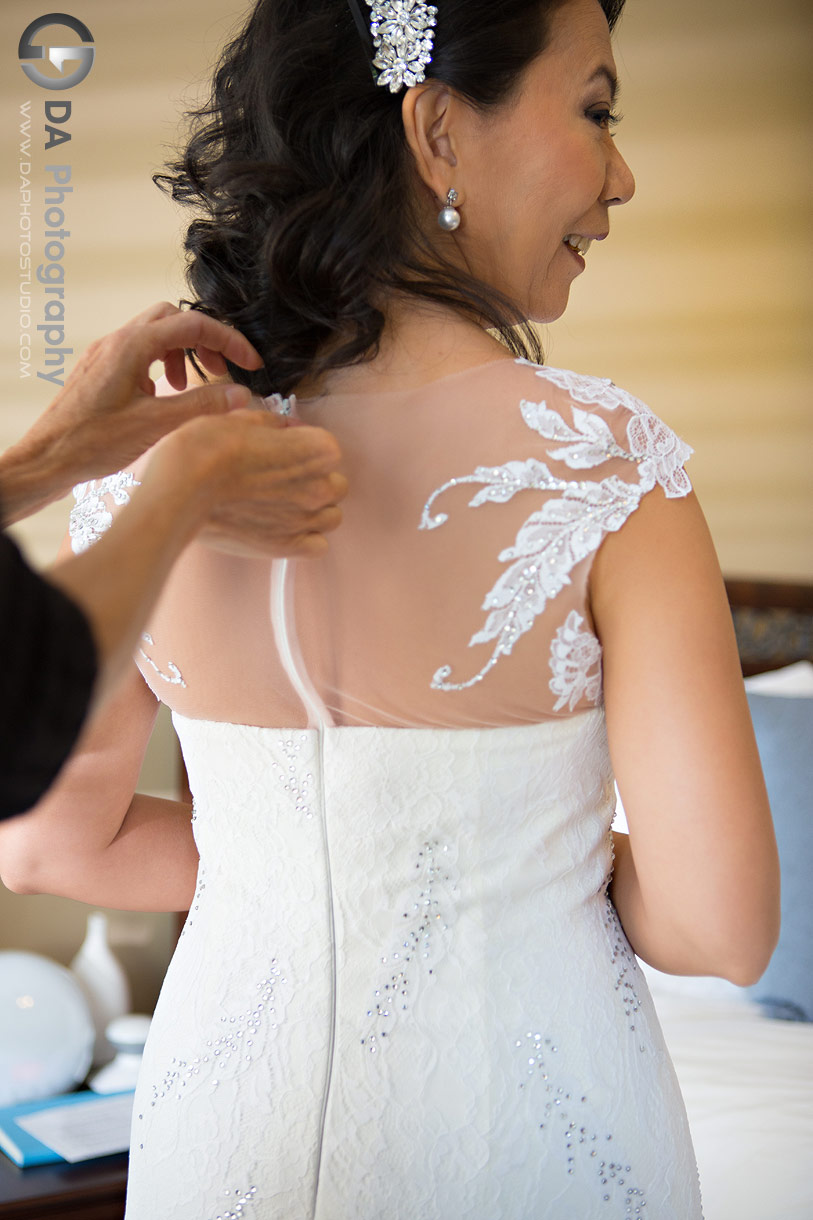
46 1030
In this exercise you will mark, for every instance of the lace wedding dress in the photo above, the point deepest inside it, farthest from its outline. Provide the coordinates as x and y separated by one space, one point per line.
402 990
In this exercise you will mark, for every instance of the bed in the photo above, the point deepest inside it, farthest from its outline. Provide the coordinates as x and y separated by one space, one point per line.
747 1081
744 1057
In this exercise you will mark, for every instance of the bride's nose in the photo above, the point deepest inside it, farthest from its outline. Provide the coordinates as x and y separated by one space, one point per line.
619 185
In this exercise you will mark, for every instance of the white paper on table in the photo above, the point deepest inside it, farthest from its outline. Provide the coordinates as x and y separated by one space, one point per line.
84 1130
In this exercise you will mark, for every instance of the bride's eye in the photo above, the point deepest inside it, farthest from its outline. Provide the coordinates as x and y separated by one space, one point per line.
604 117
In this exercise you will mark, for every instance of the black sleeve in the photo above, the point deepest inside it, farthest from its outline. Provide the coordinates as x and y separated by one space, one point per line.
48 664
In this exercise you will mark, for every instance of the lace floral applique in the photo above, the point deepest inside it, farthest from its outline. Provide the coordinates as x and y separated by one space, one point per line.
583 388
547 547
576 664
281 406
571 527
657 452
90 517
174 677
660 455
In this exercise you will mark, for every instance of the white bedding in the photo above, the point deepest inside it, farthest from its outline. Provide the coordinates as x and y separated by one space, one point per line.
748 1085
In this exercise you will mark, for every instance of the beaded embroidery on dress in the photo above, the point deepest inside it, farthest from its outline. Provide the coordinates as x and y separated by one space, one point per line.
402 989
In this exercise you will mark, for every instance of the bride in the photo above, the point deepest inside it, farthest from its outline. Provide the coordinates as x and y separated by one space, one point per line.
406 986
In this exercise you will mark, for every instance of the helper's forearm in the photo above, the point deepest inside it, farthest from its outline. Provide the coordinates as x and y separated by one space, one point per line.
31 476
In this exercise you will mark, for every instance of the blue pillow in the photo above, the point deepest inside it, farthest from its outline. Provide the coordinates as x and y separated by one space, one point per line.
784 732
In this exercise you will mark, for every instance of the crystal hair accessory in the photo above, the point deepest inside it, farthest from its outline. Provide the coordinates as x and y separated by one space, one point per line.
403 36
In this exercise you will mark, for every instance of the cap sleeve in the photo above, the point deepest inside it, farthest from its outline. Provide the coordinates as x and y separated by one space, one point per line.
603 450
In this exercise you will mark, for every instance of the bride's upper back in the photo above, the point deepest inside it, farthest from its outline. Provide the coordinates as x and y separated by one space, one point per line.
456 591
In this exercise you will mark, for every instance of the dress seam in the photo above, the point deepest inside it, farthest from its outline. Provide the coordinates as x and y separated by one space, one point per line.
333 972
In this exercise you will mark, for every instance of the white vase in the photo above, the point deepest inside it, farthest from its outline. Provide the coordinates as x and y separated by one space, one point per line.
103 981
128 1035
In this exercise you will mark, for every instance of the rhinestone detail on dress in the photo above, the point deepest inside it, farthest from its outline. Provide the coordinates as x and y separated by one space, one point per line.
199 888
298 785
174 677
230 1051
565 1117
424 920
623 957
239 1201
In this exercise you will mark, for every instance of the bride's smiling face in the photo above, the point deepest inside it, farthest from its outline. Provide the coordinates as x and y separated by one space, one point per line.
538 169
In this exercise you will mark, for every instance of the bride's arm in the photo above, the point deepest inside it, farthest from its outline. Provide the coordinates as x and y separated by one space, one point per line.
696 884
91 838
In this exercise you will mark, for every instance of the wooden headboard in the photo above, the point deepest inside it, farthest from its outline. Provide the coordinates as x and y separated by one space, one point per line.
773 621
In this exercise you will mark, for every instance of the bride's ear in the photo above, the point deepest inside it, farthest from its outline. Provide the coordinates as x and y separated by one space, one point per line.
428 113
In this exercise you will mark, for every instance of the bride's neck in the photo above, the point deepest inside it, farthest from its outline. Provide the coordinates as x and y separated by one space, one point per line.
421 342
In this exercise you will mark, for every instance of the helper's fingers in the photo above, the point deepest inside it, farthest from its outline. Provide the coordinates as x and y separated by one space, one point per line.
327 519
213 362
314 450
192 329
322 493
338 485
311 542
308 546
175 368
203 400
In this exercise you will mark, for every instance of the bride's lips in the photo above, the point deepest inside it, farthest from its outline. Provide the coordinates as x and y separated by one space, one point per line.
579 243
575 254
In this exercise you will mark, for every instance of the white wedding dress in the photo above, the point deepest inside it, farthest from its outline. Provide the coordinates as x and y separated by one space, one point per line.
402 990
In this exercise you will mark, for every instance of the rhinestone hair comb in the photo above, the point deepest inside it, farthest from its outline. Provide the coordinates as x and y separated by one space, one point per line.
403 35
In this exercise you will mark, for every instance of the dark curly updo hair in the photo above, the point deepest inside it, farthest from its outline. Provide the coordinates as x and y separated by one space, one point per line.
300 171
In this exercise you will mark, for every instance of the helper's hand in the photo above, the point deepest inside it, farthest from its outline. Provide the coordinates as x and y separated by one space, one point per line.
261 486
107 414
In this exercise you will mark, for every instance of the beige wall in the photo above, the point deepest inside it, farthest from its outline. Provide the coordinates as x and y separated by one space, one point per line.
700 302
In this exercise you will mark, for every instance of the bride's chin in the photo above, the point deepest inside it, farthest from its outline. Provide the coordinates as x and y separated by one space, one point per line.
542 312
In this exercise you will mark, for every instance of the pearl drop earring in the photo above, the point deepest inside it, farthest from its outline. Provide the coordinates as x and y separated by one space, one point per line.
449 218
